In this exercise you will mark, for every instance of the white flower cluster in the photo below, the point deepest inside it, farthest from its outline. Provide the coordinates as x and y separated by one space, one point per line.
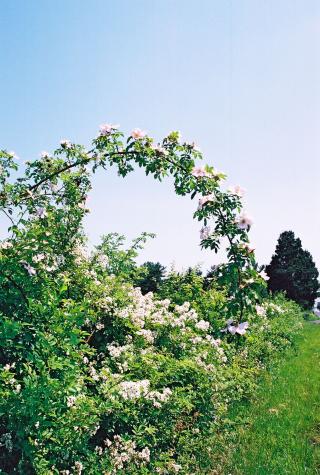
116 350
105 303
81 253
71 401
275 308
134 389
202 325
6 245
261 311
147 335
158 398
145 311
123 452
78 467
102 260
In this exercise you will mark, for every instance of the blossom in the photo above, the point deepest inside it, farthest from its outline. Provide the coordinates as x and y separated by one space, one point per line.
102 260
44 154
240 329
158 397
159 149
275 307
65 143
244 221
147 335
71 401
202 325
6 245
51 268
31 270
107 129
176 467
138 134
205 199
205 232
17 388
237 190
264 275
134 389
215 342
38 257
41 212
145 454
8 366
79 467
93 373
247 247
261 311
116 350
198 172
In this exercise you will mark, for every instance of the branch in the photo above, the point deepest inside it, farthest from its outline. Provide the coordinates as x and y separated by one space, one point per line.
75 164
17 286
8 216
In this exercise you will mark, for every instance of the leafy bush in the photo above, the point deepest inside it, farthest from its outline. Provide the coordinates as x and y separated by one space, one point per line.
95 377
131 387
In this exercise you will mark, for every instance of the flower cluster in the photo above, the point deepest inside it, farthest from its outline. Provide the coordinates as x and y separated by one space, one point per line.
123 452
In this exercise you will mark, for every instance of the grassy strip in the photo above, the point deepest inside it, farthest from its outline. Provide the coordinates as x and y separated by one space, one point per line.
279 434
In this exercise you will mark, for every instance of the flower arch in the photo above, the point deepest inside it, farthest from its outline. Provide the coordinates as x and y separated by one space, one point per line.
53 190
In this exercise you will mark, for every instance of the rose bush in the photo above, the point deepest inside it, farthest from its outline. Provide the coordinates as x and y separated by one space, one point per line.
94 376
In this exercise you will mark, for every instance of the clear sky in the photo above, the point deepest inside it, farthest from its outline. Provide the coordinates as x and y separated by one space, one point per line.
240 78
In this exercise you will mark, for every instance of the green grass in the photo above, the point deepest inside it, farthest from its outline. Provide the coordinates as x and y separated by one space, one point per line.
281 434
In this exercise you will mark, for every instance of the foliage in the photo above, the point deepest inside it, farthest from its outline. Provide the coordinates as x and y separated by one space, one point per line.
188 286
119 261
94 376
292 270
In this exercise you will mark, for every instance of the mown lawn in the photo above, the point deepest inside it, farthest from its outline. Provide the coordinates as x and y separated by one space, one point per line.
281 434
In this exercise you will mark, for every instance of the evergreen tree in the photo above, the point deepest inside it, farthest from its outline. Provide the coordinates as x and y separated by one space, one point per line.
292 270
152 274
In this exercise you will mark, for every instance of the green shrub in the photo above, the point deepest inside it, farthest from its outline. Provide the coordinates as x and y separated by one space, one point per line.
95 377
129 387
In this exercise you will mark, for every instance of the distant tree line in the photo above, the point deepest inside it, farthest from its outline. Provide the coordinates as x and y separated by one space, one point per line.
291 270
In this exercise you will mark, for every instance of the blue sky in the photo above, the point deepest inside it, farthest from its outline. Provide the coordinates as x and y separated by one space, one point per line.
240 78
